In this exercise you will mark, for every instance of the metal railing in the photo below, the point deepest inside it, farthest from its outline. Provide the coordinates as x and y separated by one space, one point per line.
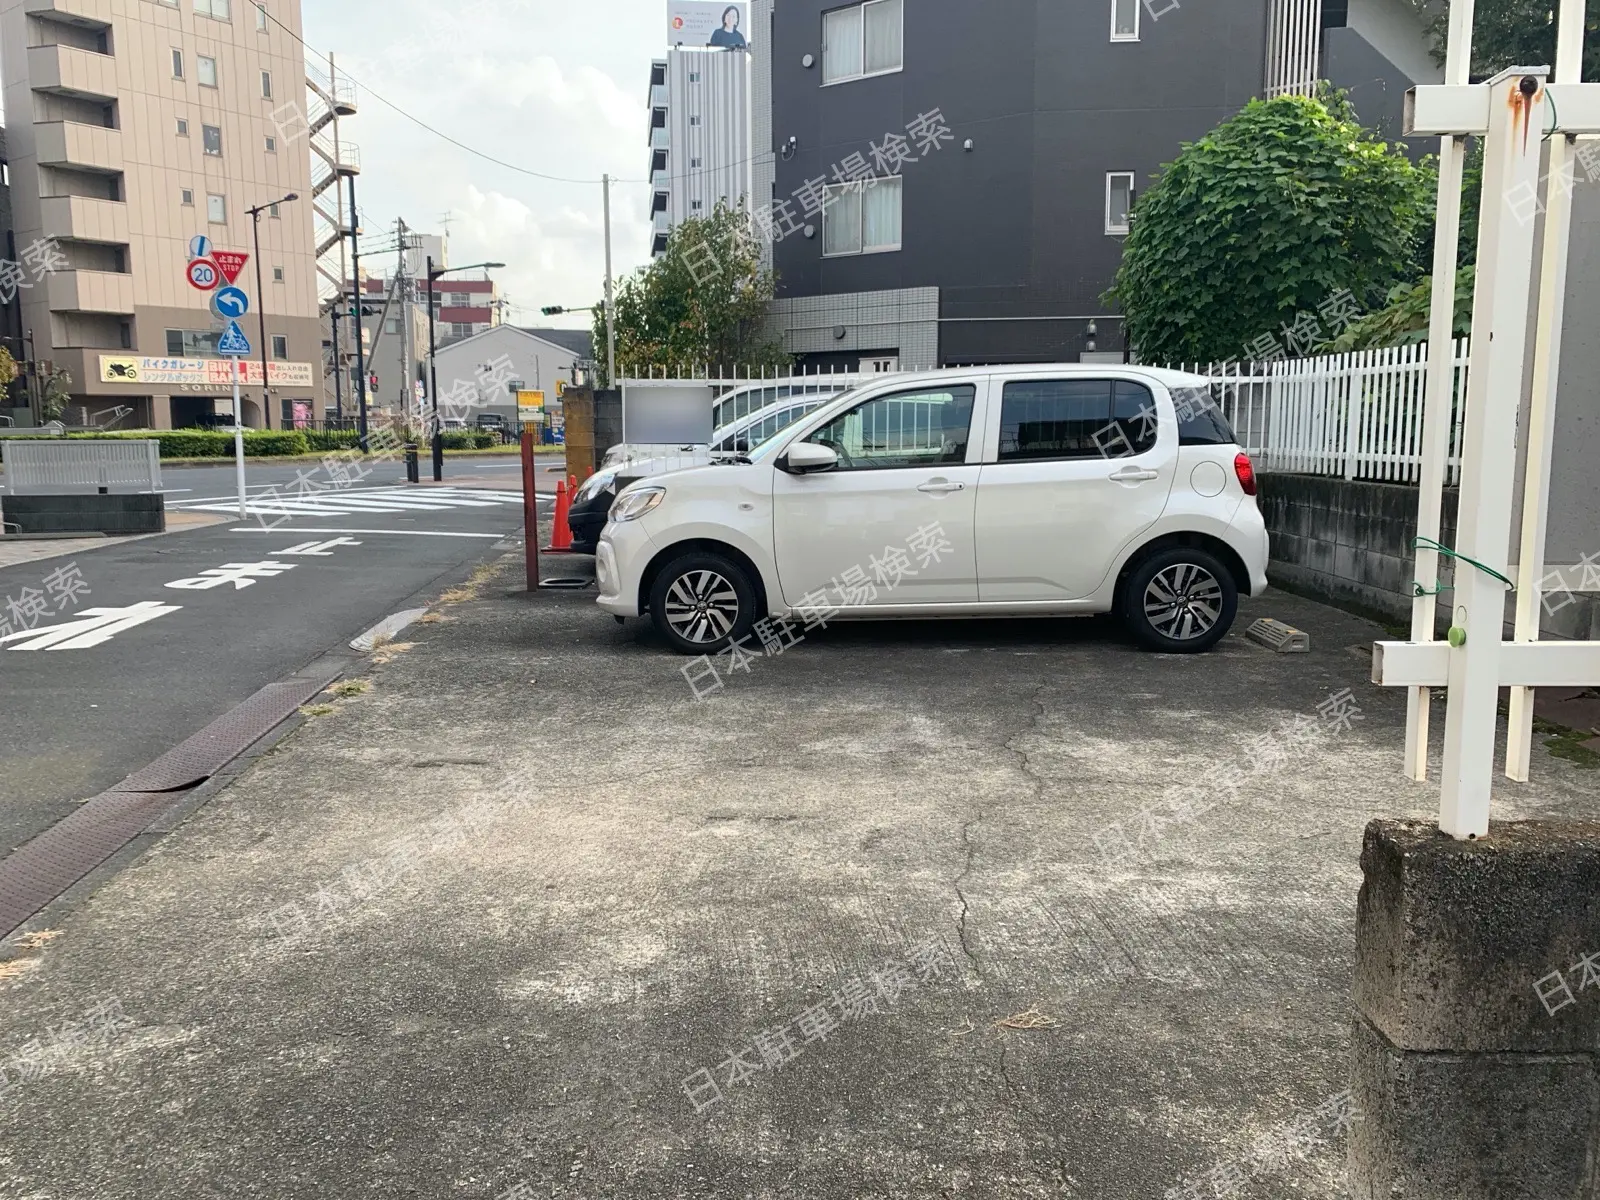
43 466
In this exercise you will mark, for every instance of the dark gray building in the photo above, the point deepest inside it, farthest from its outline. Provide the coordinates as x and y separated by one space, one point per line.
997 223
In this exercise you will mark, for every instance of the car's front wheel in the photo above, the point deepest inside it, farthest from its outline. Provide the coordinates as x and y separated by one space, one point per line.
702 601
1180 600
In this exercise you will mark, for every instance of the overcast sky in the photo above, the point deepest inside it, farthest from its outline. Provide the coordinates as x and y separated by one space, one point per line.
551 86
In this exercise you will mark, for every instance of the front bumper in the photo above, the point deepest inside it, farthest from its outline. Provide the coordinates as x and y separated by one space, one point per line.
620 558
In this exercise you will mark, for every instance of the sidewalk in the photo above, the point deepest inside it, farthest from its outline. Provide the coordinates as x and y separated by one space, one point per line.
1002 909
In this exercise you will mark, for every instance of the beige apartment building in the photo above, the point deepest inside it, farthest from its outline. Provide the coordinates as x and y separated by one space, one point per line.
133 127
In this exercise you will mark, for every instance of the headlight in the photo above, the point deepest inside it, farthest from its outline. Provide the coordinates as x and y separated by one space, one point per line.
635 502
594 485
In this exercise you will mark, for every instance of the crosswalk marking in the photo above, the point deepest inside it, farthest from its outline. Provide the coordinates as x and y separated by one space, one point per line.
366 500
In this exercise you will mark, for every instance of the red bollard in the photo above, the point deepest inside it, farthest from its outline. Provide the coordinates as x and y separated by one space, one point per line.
561 533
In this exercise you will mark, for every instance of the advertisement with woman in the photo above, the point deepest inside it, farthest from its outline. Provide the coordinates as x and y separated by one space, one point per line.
715 24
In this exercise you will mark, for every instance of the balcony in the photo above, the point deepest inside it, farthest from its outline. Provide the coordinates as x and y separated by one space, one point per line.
90 14
91 291
82 147
660 181
660 223
85 219
658 95
660 139
69 71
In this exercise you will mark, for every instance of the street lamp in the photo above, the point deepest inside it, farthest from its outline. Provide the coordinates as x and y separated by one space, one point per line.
261 299
433 367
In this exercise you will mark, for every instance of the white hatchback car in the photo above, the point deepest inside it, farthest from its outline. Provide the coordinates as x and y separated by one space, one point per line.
993 491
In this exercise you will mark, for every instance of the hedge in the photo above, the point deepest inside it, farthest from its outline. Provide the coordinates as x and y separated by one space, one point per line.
261 443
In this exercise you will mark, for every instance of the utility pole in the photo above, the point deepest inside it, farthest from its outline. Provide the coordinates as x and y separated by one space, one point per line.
408 367
611 332
355 319
338 364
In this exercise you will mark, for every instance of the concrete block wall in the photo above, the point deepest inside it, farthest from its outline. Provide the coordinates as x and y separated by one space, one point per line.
1476 1063
1349 542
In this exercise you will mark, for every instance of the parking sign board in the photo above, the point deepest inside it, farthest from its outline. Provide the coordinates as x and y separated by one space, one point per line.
203 274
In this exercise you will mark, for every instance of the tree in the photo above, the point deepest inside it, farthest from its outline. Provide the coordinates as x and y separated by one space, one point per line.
703 303
1265 218
57 391
1404 318
1513 33
8 369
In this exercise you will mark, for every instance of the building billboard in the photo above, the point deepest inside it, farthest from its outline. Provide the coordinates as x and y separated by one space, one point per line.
199 374
715 23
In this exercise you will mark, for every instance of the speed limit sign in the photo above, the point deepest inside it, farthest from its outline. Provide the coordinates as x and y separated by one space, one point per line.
203 274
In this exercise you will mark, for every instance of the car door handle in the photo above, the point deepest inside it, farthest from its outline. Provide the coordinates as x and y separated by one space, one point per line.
1134 474
941 485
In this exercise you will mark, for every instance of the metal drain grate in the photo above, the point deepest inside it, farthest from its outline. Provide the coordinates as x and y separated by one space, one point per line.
36 873
204 754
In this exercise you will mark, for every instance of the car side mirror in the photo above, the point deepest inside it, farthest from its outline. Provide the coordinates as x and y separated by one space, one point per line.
808 458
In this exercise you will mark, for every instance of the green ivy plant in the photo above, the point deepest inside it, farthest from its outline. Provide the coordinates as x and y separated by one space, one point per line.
1267 216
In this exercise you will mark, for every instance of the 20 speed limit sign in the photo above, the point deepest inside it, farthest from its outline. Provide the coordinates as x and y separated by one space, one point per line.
203 274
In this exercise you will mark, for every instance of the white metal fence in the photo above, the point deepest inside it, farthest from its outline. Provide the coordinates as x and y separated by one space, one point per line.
1356 415
1294 38
43 466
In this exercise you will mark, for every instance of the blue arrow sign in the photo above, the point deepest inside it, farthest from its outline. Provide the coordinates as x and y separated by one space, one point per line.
233 341
231 302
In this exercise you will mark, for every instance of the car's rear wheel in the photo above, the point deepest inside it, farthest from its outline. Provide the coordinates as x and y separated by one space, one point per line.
701 602
1180 600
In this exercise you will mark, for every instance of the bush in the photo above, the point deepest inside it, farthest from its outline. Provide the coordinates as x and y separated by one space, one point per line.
323 440
208 443
469 439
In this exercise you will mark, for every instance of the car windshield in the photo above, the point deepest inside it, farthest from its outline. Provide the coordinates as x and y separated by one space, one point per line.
765 446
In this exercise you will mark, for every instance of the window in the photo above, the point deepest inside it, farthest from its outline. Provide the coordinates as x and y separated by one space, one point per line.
1119 200
280 346
460 330
188 196
695 205
393 325
694 162
865 39
266 85
277 274
183 127
1125 20
694 120
272 148
907 429
205 70
1075 418
862 218
694 76
211 138
272 210
1200 420
192 343
261 18
217 209
213 8
177 64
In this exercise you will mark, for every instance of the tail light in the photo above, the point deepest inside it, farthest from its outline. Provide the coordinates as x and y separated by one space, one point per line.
1246 471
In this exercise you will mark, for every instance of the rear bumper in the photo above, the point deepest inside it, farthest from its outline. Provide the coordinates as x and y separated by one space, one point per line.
586 520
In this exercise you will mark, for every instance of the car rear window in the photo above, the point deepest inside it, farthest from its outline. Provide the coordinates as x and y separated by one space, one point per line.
1200 419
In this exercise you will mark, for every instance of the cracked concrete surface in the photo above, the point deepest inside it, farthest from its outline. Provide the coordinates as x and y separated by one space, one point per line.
638 884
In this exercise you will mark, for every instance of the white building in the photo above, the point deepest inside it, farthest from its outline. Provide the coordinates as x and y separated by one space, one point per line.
506 359
700 136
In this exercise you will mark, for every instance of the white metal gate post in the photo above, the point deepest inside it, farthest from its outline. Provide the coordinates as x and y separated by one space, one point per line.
1546 375
1438 396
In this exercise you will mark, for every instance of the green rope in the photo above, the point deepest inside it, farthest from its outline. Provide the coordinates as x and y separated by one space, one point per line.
1426 543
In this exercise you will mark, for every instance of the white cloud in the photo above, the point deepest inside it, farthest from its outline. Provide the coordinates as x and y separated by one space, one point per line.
541 84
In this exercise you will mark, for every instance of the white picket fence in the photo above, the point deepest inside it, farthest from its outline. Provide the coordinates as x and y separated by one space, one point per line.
1356 415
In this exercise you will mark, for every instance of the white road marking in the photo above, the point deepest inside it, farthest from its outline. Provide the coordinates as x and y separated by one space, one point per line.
398 532
91 627
317 549
340 502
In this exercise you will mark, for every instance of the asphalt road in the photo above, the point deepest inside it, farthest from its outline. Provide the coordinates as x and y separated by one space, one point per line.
76 720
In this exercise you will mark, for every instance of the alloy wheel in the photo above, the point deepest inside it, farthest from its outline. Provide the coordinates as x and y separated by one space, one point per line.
701 606
1183 601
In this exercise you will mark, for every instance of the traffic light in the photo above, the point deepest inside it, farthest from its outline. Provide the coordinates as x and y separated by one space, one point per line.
553 310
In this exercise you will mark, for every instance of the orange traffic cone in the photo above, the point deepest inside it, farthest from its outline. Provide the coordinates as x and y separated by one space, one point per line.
561 534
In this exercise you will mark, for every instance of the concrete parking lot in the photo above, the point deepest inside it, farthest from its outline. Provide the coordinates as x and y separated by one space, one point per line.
997 909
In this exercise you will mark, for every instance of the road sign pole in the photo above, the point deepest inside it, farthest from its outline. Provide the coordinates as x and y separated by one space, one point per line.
238 441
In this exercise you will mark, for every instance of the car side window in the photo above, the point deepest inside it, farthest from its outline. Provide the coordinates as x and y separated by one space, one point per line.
907 429
1052 419
1200 421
